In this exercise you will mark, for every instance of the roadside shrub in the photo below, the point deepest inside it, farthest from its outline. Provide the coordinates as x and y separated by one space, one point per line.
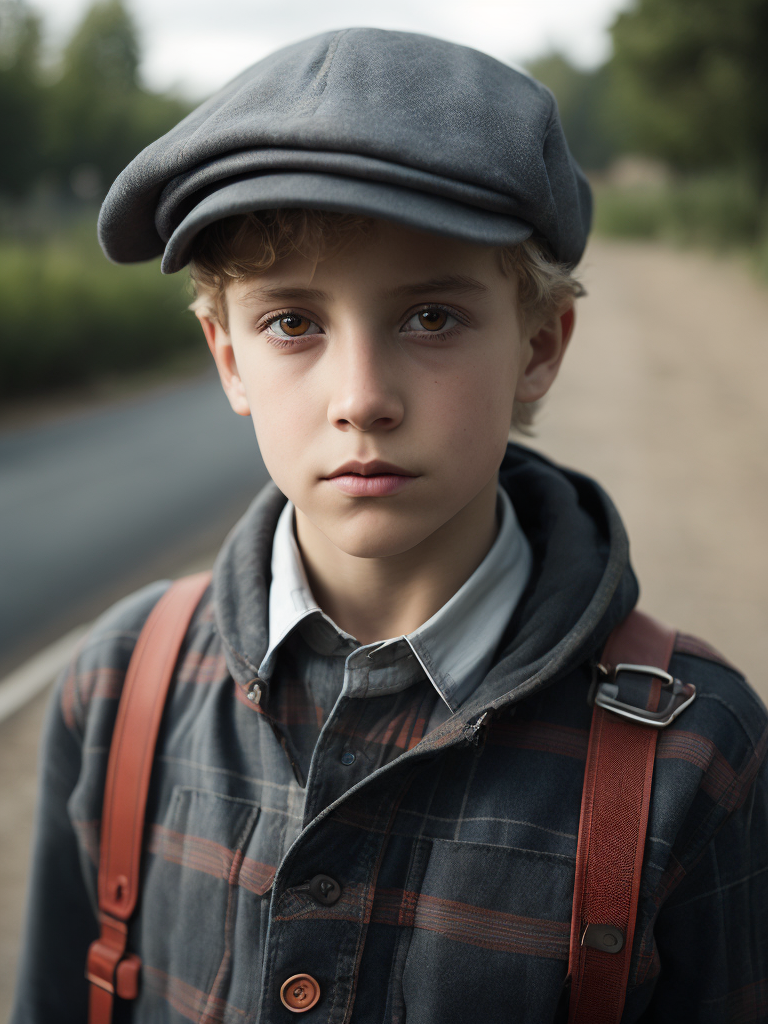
630 213
69 316
718 211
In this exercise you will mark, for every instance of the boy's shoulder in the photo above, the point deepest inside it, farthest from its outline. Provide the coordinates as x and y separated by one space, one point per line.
723 736
726 708
707 760
89 689
707 766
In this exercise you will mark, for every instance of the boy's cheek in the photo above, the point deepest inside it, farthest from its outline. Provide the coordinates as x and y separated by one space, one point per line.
474 411
287 434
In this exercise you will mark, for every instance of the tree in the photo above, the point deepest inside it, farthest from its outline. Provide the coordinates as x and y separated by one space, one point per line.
693 76
20 97
585 101
80 129
99 116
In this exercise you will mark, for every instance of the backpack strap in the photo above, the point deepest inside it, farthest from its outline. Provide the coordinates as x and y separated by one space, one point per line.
110 970
633 698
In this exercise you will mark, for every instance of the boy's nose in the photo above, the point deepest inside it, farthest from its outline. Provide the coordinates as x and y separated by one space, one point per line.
364 395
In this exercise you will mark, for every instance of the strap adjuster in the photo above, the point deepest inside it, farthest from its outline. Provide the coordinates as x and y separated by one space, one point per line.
102 964
113 970
634 681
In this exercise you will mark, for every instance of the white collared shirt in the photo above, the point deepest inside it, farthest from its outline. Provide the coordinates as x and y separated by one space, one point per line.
454 647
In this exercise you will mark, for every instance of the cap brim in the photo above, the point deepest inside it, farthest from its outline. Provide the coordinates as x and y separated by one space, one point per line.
318 191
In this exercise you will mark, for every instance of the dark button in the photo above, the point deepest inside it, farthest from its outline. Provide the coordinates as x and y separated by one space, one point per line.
299 993
324 889
605 937
347 757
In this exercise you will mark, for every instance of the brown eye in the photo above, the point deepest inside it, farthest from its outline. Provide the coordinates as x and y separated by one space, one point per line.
293 325
432 319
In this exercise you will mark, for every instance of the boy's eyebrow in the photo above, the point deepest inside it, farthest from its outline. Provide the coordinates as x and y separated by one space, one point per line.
449 283
282 294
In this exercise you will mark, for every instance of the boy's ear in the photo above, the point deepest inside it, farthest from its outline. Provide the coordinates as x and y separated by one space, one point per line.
541 356
224 356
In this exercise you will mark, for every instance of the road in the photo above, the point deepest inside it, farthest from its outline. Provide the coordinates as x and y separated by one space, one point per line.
662 398
96 503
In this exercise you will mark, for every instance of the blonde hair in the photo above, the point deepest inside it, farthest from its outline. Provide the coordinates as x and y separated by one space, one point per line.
246 245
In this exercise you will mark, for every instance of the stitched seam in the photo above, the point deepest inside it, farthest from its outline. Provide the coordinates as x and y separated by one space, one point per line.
736 714
720 888
503 821
186 763
213 1013
317 88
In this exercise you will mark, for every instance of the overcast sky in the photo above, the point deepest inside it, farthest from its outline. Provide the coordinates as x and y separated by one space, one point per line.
197 45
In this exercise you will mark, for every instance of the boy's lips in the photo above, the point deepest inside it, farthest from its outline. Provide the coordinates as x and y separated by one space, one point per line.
370 479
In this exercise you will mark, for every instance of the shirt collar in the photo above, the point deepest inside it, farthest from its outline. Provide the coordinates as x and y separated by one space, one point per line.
456 646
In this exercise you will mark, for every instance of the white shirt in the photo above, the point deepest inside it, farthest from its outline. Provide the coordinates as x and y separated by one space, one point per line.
454 647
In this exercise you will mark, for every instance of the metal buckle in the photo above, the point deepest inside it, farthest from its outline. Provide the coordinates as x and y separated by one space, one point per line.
678 696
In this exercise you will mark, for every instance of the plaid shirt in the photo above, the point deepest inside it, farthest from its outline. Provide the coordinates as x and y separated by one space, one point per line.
311 662
455 858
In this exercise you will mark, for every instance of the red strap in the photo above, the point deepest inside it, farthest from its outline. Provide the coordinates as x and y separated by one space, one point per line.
131 754
612 828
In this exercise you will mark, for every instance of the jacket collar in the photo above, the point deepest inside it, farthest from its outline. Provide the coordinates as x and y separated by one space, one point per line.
455 647
581 584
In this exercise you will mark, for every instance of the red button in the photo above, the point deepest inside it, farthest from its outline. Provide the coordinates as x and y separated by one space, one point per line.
300 993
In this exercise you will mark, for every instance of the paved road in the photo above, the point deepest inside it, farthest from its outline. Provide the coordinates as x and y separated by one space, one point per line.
99 502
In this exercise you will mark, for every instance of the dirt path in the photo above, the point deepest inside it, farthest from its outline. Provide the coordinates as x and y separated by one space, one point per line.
18 761
662 398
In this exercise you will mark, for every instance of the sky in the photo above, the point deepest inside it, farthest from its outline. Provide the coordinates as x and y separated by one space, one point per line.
195 46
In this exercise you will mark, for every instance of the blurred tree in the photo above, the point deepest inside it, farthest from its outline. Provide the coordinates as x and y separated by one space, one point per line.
587 108
104 51
693 78
20 96
98 115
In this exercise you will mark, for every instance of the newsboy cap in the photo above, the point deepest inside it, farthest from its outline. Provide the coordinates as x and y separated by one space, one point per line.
386 124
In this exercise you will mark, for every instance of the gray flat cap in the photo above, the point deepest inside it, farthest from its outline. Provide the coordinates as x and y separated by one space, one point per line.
387 124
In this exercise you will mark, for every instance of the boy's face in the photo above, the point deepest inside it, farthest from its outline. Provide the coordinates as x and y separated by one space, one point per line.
405 348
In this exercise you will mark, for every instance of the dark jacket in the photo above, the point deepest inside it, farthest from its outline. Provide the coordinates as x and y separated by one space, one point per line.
456 860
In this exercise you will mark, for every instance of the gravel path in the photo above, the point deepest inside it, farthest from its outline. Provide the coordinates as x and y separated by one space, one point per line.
662 398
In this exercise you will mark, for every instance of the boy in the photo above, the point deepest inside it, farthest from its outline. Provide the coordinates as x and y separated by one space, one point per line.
366 791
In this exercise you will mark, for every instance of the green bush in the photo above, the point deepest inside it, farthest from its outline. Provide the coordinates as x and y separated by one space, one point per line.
630 213
69 316
720 211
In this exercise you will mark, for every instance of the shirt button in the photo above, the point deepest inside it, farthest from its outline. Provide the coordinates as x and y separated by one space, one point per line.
324 889
299 993
347 757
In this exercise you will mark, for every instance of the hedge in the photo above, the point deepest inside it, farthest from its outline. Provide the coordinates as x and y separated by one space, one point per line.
69 316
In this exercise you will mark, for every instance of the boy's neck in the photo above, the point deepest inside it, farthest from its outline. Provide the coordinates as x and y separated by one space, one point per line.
379 598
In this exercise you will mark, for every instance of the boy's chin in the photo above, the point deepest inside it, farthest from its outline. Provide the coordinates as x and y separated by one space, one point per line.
379 537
